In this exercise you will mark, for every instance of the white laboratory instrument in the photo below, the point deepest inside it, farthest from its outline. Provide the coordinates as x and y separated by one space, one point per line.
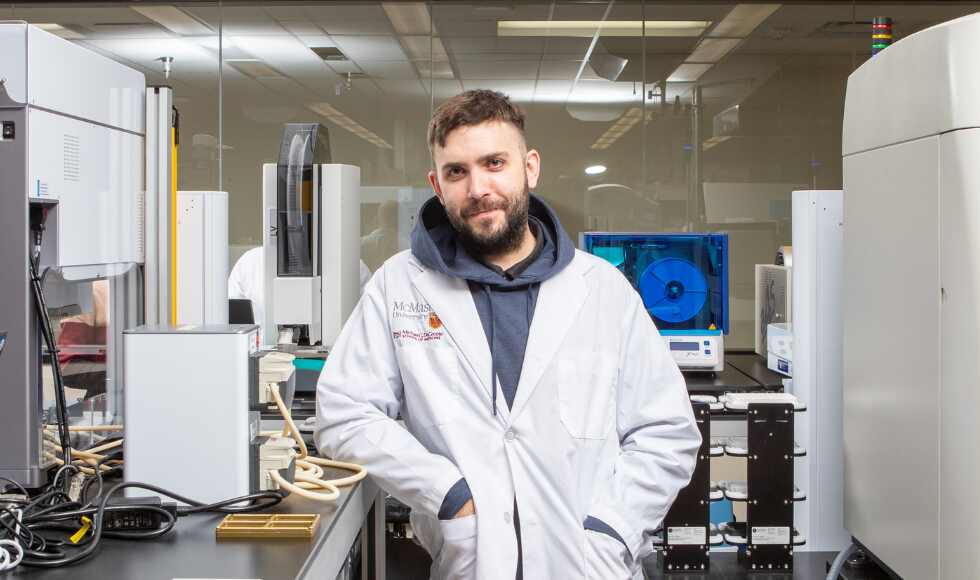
911 326
202 257
773 301
815 362
71 149
311 235
191 425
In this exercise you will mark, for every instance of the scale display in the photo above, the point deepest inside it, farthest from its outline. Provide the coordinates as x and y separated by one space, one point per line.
682 278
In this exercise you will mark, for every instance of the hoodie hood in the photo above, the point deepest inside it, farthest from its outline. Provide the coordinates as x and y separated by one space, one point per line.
434 243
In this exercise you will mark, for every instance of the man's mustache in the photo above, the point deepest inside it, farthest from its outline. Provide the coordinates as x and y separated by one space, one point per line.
482 206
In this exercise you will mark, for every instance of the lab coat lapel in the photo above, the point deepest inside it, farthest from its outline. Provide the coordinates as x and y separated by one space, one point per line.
559 301
452 302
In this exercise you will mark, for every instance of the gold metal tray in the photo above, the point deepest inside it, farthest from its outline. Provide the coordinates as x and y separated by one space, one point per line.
266 526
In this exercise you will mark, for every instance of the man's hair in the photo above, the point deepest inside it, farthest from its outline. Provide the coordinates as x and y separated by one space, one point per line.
473 108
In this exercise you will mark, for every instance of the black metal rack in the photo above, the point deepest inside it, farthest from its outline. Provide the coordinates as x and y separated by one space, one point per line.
767 538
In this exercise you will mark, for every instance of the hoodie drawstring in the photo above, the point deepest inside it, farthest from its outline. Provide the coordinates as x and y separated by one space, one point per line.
493 359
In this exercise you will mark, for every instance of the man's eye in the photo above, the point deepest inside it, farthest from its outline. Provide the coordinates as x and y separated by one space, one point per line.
496 162
455 171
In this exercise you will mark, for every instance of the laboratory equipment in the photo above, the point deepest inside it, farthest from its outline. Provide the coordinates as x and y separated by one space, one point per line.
202 257
71 189
815 362
683 281
779 348
773 301
192 409
909 296
311 239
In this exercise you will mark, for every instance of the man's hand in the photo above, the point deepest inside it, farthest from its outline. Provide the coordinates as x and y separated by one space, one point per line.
468 509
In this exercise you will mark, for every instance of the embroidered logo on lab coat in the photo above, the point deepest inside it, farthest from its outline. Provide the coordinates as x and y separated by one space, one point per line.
423 324
434 322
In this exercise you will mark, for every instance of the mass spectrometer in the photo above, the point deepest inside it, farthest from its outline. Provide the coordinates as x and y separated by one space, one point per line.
71 217
911 277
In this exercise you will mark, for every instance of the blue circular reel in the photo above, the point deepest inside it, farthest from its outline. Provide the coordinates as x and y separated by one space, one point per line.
673 290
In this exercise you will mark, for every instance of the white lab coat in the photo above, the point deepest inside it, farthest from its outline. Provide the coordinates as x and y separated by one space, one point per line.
601 424
246 280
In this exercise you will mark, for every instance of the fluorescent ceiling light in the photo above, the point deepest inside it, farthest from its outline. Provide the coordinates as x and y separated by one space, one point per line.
327 110
587 28
712 141
595 169
54 28
743 19
723 38
620 128
254 68
712 50
175 20
408 17
688 72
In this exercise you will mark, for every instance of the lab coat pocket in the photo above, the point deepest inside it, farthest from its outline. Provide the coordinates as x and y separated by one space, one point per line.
457 559
586 403
430 375
605 558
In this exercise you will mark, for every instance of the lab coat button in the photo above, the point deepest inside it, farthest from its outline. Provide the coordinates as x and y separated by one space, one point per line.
507 517
509 435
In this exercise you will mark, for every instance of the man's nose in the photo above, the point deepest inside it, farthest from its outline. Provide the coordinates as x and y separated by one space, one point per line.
480 185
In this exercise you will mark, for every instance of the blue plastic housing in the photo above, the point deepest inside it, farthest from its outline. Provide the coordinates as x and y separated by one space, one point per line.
682 278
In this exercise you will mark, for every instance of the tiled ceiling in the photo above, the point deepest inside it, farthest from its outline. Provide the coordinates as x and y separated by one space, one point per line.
382 64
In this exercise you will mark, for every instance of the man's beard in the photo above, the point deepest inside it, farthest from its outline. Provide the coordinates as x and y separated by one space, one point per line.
499 242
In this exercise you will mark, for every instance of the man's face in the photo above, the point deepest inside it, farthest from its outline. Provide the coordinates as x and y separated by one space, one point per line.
482 177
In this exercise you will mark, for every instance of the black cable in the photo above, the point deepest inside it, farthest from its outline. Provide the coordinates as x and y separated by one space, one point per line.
48 333
221 507
57 520
98 517
14 484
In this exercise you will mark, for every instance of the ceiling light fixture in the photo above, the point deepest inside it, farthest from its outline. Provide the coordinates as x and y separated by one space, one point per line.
620 128
587 28
410 18
595 169
175 20
418 37
739 23
332 114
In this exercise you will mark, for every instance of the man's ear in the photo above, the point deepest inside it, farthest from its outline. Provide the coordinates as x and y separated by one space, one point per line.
434 182
532 166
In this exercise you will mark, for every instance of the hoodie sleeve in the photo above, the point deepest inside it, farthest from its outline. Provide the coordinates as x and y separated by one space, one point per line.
659 438
359 395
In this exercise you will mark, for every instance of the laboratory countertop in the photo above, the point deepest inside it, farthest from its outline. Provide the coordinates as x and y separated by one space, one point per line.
744 371
191 549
